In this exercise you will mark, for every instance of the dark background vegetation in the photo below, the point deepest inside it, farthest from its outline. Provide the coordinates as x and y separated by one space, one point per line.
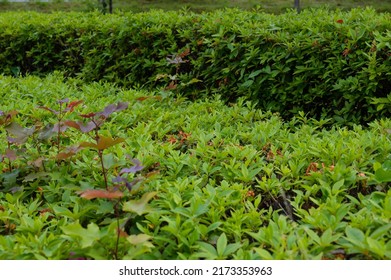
270 6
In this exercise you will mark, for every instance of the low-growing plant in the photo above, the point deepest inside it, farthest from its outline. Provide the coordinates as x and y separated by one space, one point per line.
221 182
101 143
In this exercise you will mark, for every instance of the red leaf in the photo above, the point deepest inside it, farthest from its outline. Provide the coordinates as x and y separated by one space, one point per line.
186 52
103 143
64 155
81 126
106 142
171 86
7 116
87 116
122 233
71 106
340 21
71 151
49 109
142 98
149 97
91 194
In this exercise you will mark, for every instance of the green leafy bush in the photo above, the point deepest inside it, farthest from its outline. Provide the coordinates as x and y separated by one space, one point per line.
330 64
219 182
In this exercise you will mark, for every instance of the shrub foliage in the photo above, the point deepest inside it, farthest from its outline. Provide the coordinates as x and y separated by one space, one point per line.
213 181
329 64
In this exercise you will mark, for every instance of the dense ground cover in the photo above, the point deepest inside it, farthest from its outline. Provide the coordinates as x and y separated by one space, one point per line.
330 64
270 6
218 181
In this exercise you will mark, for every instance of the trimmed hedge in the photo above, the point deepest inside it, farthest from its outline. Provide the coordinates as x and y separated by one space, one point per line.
328 64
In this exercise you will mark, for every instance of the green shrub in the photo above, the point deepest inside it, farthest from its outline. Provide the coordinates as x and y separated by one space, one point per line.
232 182
329 64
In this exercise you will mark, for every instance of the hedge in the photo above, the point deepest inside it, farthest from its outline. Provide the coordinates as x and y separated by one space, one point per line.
329 64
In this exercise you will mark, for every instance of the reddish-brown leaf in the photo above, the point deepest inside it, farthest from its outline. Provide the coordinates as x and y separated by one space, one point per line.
71 106
49 109
171 86
64 155
186 52
91 194
142 98
83 127
346 52
106 142
312 167
87 116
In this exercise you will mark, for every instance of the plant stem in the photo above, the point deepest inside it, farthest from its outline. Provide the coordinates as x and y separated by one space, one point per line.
118 230
100 153
9 160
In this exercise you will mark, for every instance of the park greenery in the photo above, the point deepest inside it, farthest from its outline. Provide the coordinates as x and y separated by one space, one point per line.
269 6
224 135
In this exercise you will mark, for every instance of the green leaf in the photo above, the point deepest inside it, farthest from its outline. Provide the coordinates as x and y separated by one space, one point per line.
379 232
337 186
387 165
265 255
255 73
247 84
214 226
221 244
87 236
140 206
138 239
231 248
383 176
355 236
376 247
109 161
207 251
313 235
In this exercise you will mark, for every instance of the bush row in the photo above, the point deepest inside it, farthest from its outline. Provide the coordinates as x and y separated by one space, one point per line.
328 64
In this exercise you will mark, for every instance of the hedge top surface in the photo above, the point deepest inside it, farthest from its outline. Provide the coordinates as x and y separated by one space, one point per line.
330 64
